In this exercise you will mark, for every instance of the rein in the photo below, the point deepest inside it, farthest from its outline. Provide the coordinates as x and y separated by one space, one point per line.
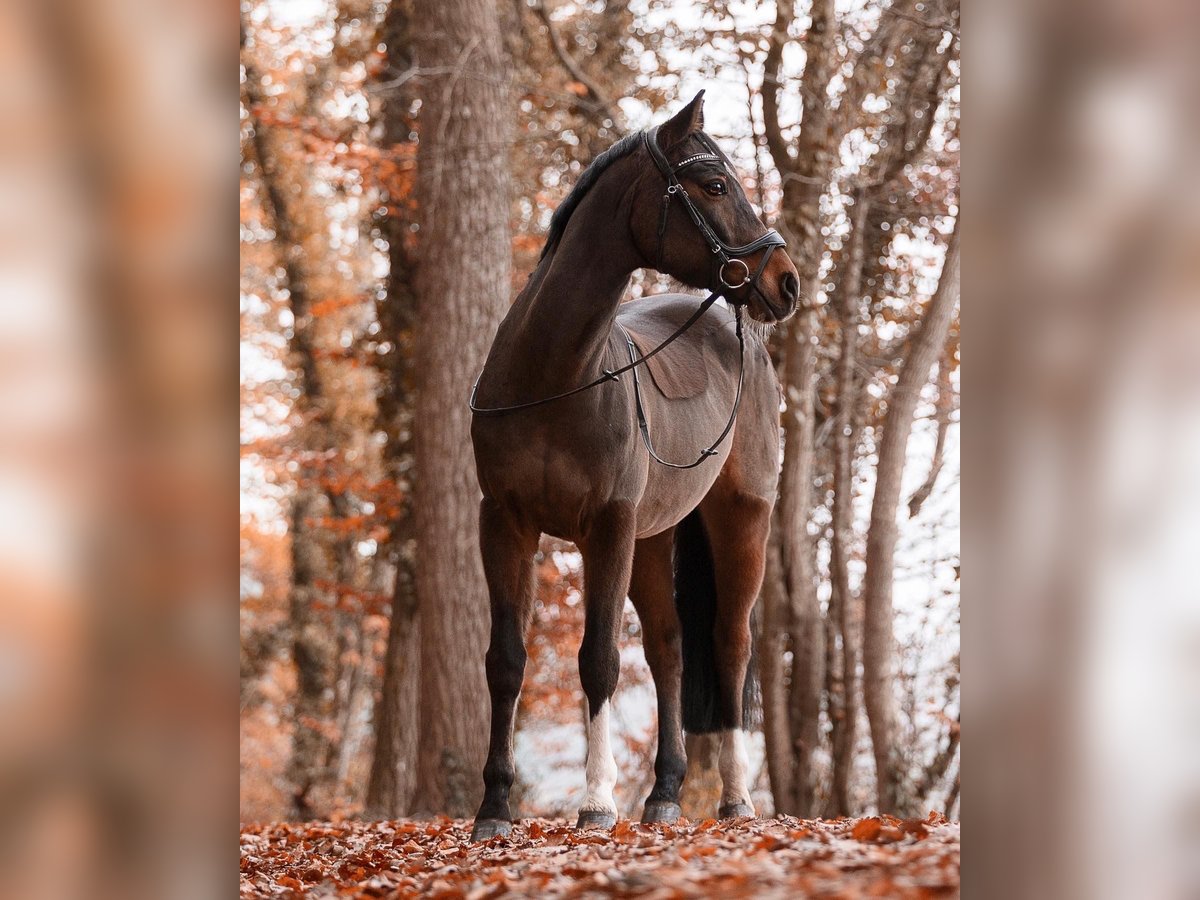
724 255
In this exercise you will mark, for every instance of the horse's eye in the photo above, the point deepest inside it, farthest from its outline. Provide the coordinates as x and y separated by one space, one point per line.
716 188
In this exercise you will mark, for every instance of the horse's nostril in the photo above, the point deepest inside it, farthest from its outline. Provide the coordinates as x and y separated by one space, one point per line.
791 287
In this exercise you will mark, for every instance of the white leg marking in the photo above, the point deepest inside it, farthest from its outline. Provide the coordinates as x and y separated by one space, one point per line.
601 766
735 768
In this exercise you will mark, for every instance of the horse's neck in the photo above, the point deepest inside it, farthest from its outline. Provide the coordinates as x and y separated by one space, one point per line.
556 334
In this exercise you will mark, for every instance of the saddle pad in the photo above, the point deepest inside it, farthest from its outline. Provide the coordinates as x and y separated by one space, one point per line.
681 370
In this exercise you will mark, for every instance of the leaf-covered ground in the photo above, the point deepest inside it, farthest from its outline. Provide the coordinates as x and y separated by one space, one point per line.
784 857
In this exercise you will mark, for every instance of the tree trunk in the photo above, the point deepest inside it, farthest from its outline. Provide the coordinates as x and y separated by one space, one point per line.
776 642
843 699
462 289
878 637
797 556
791 593
314 651
393 765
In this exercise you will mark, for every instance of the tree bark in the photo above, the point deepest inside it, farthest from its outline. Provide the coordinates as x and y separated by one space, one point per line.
878 638
843 699
393 765
791 592
462 288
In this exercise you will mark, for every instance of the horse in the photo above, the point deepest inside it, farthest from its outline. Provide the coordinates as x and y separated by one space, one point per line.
571 440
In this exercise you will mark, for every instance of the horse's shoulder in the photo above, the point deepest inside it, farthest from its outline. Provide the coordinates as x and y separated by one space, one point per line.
681 370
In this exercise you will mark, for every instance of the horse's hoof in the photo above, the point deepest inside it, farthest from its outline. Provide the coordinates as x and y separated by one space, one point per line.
735 811
662 811
490 828
591 818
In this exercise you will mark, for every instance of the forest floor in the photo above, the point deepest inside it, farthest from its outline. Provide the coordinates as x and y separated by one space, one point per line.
782 857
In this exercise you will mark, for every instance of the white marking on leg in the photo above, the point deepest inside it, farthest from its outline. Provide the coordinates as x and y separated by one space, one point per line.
735 768
601 766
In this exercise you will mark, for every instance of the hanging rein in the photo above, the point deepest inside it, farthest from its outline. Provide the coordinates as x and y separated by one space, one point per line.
724 256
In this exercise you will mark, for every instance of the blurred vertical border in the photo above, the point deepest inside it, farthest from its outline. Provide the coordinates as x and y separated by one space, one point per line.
1081 492
118 568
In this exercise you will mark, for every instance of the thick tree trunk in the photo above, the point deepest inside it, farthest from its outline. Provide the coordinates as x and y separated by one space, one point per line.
843 612
462 288
878 637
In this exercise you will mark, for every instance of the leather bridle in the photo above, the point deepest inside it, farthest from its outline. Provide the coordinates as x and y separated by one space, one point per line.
723 254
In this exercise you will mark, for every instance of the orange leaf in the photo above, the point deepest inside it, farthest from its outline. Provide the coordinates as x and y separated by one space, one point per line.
866 829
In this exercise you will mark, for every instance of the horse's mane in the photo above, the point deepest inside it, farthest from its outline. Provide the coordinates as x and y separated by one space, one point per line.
590 175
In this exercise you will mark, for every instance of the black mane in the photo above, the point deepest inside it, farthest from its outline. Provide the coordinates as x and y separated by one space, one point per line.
590 175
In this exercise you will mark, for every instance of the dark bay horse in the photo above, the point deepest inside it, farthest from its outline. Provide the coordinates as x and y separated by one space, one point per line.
686 543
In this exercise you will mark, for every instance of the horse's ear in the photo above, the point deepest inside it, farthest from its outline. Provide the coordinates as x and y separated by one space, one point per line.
687 121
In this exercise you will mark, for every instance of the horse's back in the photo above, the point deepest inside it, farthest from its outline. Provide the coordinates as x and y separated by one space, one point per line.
691 392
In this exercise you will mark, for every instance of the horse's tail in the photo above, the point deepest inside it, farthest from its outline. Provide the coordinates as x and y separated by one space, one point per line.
696 604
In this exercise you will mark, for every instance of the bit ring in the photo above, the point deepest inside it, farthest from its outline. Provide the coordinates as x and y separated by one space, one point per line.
745 274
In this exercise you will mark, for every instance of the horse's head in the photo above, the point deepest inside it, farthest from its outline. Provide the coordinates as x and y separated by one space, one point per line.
693 220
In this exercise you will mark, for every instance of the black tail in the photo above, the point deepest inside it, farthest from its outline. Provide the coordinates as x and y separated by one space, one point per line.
696 603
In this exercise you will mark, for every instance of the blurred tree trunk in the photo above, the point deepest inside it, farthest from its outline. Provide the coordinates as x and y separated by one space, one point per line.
314 651
878 638
462 287
843 613
393 765
792 608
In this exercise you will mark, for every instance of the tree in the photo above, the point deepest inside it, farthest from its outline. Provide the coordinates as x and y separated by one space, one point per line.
792 614
878 634
462 287
843 613
393 764
313 648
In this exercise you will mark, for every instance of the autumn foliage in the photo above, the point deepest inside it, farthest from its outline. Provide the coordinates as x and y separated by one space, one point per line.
785 856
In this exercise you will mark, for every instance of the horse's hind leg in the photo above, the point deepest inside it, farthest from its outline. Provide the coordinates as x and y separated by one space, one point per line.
738 524
651 592
507 552
607 559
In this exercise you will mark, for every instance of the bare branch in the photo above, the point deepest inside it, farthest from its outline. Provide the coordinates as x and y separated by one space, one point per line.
602 102
772 85
945 405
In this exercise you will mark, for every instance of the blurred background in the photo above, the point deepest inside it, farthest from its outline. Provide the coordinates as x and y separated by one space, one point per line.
118 632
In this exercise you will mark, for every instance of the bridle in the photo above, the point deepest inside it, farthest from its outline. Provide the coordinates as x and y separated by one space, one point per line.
724 255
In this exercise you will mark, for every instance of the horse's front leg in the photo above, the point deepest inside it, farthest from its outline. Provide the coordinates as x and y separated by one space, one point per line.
507 551
652 593
607 560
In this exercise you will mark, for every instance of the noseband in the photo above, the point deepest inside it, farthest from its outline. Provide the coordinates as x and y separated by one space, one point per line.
724 256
